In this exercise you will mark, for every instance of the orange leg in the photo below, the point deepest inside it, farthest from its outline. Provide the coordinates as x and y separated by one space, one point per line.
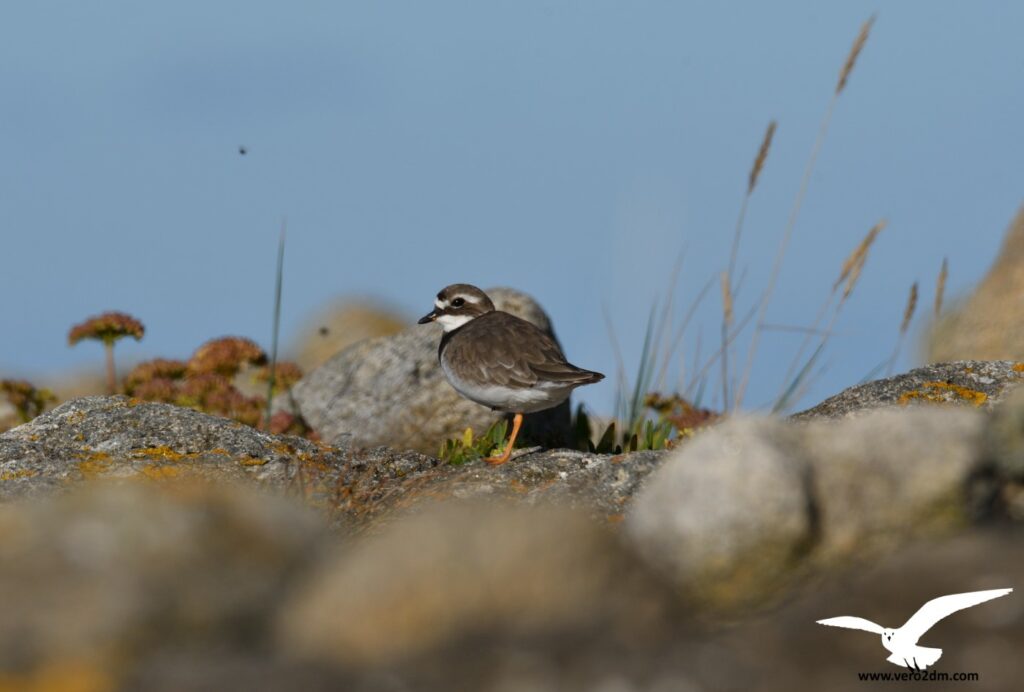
516 422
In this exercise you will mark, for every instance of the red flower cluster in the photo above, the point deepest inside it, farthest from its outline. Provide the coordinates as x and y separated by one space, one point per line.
27 400
225 356
108 328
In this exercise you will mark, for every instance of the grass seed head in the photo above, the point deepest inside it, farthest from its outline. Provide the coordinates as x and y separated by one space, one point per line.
762 156
940 285
908 311
854 263
855 49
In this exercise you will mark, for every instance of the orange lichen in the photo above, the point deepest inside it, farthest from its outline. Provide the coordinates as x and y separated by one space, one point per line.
94 464
161 452
158 472
252 461
1018 367
943 393
17 473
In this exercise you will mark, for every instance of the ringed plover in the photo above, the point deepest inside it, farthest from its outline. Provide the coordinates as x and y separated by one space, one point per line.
499 360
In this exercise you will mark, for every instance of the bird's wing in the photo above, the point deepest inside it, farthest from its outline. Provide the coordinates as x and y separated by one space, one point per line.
938 608
517 353
852 623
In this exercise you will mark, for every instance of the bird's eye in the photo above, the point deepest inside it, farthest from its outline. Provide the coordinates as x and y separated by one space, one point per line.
458 302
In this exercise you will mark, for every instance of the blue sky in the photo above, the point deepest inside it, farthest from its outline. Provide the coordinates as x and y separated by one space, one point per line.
570 149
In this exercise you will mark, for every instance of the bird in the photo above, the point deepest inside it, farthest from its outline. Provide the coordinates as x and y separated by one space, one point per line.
902 642
499 360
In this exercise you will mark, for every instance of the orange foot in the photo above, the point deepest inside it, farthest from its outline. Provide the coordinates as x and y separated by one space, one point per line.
501 459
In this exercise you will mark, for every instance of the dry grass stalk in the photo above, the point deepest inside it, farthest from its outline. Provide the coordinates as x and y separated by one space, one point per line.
727 306
940 286
908 312
762 156
855 49
853 264
787 234
726 323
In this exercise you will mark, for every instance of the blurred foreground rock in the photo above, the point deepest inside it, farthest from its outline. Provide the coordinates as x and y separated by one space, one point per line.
753 505
188 587
988 324
391 391
113 571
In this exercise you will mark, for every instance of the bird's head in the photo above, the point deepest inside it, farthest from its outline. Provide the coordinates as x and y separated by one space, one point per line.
887 634
456 305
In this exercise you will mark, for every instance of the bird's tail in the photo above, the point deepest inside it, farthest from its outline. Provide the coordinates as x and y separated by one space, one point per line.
920 657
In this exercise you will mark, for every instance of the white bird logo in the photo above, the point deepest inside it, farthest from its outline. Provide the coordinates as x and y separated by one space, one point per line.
902 642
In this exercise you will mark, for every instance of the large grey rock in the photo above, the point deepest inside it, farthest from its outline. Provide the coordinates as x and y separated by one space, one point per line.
391 391
749 506
116 438
978 384
120 438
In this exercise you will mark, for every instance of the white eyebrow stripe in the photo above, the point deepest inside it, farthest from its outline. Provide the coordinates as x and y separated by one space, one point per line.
439 305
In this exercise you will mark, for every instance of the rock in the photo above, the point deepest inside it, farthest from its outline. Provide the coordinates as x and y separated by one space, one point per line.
885 479
190 588
782 650
785 650
113 572
729 514
379 483
1004 452
450 573
979 384
989 324
121 438
748 507
391 391
1004 436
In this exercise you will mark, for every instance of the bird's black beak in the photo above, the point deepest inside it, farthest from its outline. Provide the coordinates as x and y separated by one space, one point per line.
429 317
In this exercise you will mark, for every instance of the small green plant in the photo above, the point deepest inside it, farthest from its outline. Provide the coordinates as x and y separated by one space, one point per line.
662 423
467 448
27 399
110 327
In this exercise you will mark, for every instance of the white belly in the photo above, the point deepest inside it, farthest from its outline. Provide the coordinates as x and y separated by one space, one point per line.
510 399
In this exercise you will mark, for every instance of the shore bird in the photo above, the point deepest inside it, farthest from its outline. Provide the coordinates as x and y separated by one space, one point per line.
499 360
